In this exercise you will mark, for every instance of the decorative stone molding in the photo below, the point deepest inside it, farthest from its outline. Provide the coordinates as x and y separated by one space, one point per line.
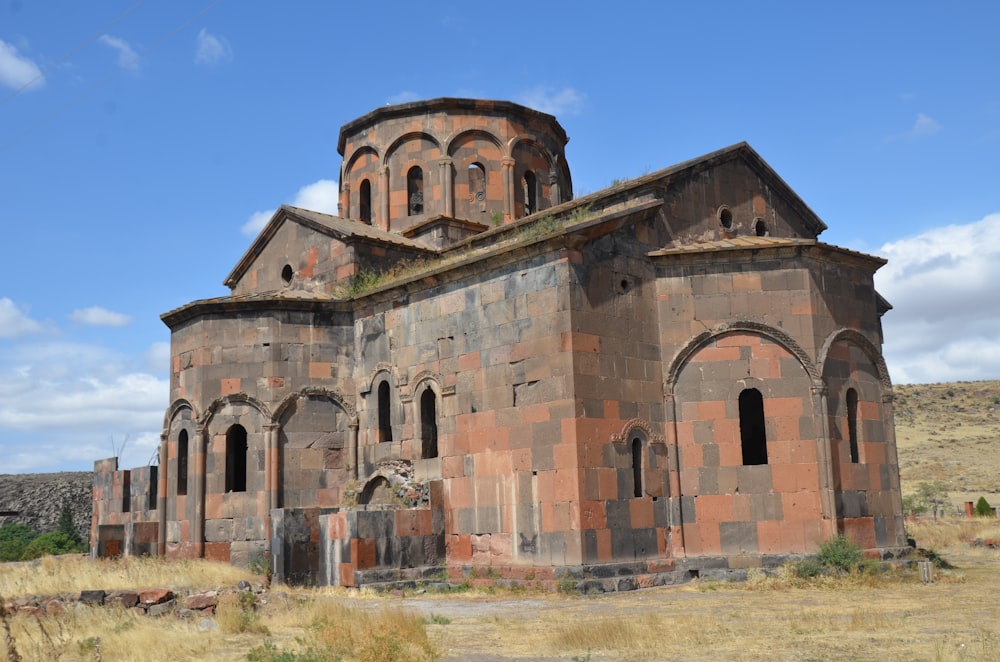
865 345
640 424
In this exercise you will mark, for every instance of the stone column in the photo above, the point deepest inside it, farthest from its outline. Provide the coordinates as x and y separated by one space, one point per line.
507 165
344 201
383 198
161 497
554 186
674 467
447 186
353 454
198 525
821 414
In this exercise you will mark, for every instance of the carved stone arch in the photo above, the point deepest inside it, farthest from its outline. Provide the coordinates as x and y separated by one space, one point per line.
405 138
451 141
232 399
174 409
349 163
382 367
867 346
776 335
334 395
525 139
637 424
436 382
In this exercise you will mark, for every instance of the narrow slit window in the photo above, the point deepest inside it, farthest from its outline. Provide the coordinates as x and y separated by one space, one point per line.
182 463
752 434
637 486
428 424
852 423
384 418
415 190
154 480
236 459
127 491
365 202
530 192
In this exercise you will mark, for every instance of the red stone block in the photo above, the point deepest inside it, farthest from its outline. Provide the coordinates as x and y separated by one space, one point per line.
346 574
593 515
217 551
861 530
459 548
604 553
711 539
714 508
230 386
769 537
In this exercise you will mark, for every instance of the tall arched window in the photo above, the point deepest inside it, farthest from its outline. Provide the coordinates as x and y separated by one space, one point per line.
852 423
415 190
127 491
236 459
752 434
365 202
182 463
529 185
384 418
477 184
428 424
637 486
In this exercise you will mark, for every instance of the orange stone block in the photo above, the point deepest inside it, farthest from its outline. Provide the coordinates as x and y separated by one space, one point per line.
230 386
714 508
769 537
604 553
217 551
593 515
641 513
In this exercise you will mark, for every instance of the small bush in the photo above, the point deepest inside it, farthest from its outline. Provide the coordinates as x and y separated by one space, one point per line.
983 508
840 553
14 538
808 569
51 544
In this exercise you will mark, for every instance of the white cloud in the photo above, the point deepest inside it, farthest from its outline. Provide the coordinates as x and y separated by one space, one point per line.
321 196
158 356
942 283
211 50
97 316
14 322
924 126
17 71
565 101
127 57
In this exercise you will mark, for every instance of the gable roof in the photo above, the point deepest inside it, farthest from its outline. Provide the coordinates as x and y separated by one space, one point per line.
335 227
762 243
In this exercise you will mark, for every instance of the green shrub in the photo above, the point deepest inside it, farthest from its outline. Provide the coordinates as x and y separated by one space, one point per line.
983 508
53 543
808 568
840 553
13 540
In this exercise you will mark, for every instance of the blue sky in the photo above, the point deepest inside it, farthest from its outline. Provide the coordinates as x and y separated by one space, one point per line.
141 143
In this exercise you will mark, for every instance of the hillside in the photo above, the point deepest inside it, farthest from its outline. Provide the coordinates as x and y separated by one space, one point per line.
950 432
38 499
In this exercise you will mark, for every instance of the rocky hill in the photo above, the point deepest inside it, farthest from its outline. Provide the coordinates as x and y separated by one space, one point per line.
38 499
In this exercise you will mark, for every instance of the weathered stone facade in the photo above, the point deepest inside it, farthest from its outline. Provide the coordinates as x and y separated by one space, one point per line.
468 370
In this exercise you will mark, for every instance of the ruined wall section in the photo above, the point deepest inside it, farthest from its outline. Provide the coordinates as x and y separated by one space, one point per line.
494 350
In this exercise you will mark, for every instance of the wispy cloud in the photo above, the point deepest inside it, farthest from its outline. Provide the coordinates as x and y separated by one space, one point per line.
405 96
17 71
14 322
211 50
923 127
564 101
97 316
942 284
321 196
127 57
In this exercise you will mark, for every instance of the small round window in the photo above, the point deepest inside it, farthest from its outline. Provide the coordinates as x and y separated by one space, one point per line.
726 217
287 273
759 227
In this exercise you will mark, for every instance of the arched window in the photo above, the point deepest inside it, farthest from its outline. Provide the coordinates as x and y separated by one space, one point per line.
182 463
415 191
760 227
236 459
365 202
852 423
752 434
384 418
637 484
428 424
477 184
529 186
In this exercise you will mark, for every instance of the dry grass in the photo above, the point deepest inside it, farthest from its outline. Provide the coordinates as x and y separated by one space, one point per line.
72 574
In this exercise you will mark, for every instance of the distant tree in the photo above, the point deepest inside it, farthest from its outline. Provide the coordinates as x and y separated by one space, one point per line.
14 538
983 508
934 494
66 525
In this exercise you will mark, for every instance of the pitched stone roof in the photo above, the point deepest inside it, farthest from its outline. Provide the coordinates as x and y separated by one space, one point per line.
758 243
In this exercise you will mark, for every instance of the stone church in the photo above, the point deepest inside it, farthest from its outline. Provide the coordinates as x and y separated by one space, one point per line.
468 372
